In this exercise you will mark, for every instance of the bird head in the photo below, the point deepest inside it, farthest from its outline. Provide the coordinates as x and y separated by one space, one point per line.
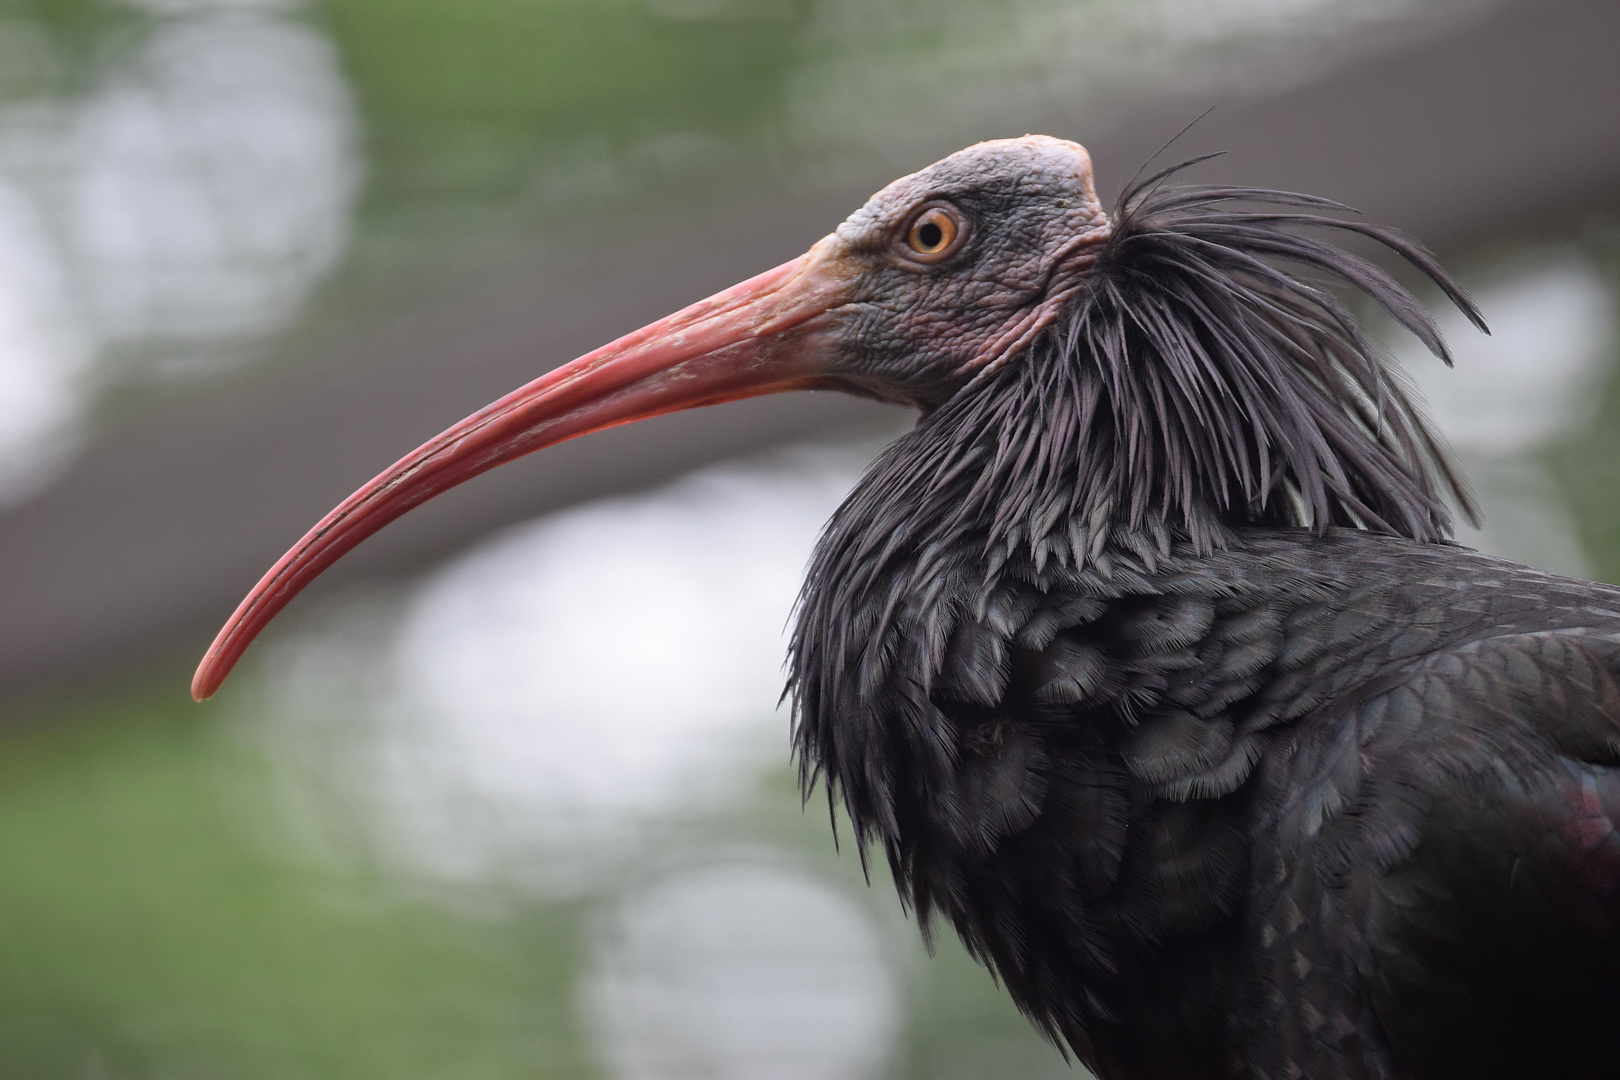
952 271
954 276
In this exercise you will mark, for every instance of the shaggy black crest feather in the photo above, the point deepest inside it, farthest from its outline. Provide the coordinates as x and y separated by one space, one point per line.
1195 386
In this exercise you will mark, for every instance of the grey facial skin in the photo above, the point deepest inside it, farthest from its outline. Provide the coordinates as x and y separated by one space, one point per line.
915 332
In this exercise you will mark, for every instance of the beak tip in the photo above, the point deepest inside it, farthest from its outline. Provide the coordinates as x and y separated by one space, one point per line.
205 682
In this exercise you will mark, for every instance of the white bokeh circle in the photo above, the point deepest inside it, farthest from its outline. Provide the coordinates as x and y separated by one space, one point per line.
42 356
216 172
743 970
542 708
1536 376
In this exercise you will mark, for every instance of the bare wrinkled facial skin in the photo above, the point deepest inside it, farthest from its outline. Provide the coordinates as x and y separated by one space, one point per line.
1032 223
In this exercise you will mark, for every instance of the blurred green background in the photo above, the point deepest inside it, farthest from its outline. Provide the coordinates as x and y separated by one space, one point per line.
469 813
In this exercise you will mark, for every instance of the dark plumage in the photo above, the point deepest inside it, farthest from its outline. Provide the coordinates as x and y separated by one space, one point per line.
1144 658
1327 805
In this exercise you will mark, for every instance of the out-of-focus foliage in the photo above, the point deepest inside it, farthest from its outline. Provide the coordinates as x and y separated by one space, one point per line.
159 921
59 42
164 917
468 98
1587 462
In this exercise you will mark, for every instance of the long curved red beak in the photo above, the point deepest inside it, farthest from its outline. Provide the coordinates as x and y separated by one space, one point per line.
751 339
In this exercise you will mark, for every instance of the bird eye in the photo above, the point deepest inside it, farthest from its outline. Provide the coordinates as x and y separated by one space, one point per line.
934 234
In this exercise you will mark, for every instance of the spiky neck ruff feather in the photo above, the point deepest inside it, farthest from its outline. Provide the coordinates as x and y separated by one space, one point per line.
1193 387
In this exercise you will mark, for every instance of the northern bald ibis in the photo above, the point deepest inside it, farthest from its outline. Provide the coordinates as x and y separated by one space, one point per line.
1144 657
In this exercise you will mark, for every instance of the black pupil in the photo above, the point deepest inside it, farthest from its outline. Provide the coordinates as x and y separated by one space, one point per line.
930 234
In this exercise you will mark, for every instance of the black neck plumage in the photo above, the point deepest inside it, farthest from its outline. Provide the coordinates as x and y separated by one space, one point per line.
1197 386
